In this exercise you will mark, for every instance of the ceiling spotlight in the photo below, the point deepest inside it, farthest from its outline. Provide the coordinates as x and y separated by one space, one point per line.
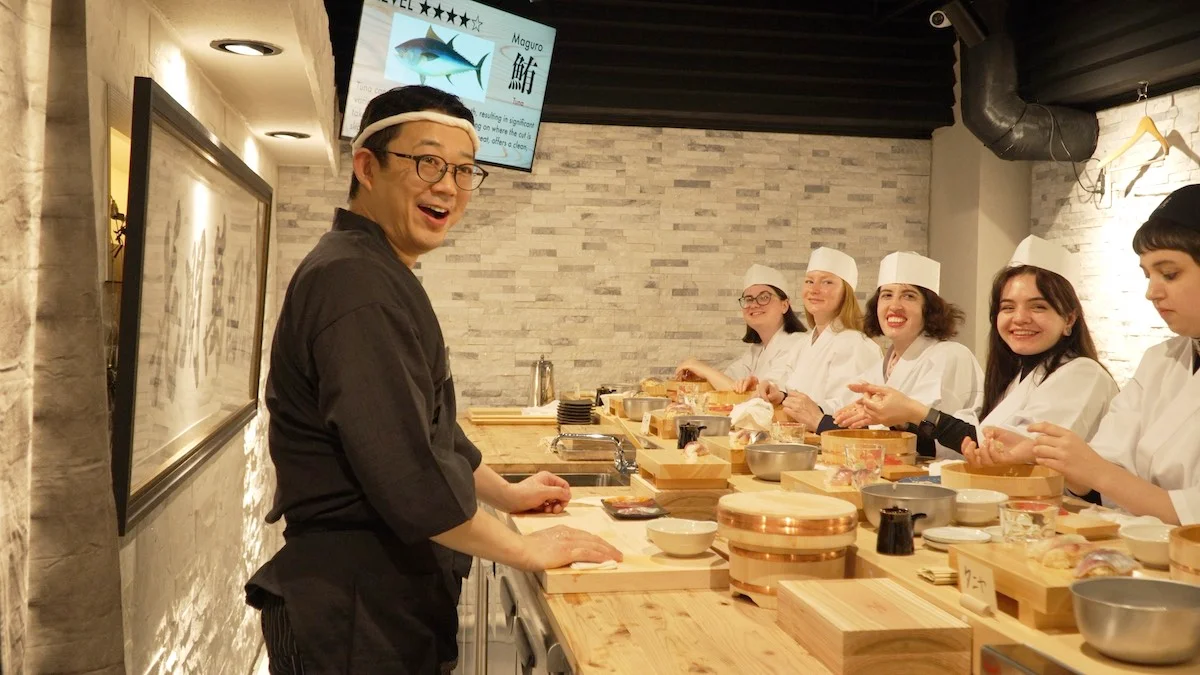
246 47
290 135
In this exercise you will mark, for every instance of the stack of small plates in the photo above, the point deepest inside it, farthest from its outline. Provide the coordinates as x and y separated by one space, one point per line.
574 412
941 538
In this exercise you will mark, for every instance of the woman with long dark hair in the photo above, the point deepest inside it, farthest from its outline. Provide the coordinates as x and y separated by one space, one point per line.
1145 457
1042 365
772 331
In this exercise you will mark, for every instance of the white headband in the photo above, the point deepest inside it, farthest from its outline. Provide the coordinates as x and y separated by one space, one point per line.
427 115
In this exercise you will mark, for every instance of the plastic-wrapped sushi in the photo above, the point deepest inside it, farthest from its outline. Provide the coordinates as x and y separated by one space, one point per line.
1105 562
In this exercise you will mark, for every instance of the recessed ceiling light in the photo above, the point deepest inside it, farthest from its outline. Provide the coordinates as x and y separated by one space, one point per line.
291 135
246 47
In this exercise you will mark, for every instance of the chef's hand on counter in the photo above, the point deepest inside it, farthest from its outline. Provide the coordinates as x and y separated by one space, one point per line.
542 491
561 545
998 446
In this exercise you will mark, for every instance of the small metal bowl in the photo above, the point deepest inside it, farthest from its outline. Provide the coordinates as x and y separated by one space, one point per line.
1139 620
768 460
935 501
714 425
636 407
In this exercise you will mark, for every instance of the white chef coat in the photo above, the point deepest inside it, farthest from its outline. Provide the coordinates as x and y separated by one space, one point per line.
772 362
1075 396
940 374
829 362
1152 428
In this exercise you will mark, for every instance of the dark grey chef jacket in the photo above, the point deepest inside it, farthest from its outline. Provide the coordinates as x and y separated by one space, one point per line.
369 460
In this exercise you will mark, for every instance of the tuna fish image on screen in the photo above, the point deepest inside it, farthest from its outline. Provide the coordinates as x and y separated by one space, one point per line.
431 57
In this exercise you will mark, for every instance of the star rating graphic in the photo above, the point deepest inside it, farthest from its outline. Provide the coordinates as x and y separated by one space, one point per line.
451 17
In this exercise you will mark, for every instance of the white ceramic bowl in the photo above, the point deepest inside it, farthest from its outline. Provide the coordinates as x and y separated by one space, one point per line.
978 507
1148 543
676 536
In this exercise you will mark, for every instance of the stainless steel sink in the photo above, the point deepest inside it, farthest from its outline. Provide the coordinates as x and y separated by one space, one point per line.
607 479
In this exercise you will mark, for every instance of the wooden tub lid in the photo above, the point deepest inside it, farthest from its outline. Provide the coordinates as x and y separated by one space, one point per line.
794 505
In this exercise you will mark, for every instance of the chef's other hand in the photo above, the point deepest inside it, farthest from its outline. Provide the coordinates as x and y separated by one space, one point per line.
543 491
999 446
561 545
769 392
745 385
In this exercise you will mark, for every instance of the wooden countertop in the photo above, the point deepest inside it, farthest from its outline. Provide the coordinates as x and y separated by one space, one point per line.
710 631
518 449
672 631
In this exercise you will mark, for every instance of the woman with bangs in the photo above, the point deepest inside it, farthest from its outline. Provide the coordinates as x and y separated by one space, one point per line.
837 351
773 332
1042 366
1145 457
922 362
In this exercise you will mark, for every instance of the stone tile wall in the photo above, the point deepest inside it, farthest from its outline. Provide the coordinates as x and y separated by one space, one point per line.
623 251
1101 227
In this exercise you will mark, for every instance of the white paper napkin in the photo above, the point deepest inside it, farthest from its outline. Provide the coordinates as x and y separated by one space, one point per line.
755 415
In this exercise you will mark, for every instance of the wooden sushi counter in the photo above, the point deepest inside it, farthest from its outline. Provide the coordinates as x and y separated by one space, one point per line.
709 630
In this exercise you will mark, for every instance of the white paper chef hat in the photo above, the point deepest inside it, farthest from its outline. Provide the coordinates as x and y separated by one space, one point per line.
1038 252
907 267
834 261
761 274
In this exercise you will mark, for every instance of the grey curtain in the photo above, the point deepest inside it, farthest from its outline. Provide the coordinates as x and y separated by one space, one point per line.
60 583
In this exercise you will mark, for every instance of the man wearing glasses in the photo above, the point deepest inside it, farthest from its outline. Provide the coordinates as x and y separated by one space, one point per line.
375 479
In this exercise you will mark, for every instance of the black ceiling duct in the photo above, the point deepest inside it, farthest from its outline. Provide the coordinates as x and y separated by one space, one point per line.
993 110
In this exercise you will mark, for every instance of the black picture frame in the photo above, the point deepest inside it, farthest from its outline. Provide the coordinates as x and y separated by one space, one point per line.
155 112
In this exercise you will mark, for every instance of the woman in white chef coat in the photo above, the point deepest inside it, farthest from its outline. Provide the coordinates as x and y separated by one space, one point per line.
922 362
1042 364
1145 458
773 331
837 350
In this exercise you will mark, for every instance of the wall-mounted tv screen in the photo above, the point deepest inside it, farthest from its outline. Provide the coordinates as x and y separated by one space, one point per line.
496 62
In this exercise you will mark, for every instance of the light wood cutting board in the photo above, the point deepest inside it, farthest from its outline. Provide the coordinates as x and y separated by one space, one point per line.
670 469
813 482
753 483
645 568
506 416
873 626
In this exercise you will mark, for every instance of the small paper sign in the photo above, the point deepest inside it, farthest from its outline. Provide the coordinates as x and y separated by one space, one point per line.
977 581
646 424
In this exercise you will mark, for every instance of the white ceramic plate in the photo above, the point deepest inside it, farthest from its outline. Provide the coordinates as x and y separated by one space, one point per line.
996 532
956 535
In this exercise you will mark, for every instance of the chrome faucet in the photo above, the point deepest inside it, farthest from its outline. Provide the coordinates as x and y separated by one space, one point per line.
623 466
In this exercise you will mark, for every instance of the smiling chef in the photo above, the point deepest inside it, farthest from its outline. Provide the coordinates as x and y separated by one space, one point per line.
375 480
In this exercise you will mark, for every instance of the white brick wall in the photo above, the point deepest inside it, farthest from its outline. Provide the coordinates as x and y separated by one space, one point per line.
1101 228
622 253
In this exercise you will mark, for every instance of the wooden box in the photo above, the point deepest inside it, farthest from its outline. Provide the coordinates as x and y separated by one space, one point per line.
719 446
669 469
752 483
873 627
693 504
813 483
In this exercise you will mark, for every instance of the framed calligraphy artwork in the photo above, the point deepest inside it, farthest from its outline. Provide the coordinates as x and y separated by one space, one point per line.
192 301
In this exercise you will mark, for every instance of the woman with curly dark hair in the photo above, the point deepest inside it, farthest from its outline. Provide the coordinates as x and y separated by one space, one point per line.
922 362
1042 365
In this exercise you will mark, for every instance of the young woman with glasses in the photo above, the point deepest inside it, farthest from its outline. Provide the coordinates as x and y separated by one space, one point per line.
773 332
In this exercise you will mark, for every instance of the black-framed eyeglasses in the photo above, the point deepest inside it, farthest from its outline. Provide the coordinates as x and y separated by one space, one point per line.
760 299
431 169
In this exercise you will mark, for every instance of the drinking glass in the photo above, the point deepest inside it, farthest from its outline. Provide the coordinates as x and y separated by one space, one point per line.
1024 521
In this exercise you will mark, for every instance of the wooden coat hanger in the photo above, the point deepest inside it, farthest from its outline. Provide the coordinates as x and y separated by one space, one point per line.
1145 126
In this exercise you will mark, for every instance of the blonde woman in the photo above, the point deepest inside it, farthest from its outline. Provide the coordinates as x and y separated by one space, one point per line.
837 351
